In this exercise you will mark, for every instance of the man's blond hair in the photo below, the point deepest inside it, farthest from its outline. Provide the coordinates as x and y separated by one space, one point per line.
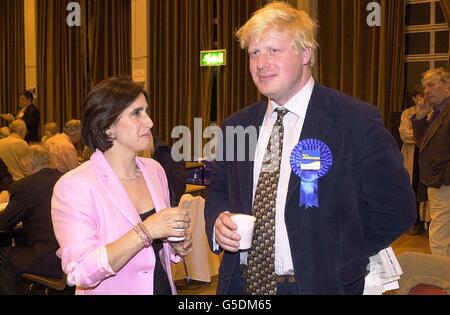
72 127
281 16
441 73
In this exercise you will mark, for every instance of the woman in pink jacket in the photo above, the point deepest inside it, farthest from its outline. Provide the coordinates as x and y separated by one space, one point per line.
111 215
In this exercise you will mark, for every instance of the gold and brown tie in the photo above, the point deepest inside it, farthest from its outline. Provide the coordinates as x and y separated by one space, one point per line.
260 271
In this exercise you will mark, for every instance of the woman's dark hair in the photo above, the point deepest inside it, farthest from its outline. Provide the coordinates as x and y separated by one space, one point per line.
418 90
103 106
27 94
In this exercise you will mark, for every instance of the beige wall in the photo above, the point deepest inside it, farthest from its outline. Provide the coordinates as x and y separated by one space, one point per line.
139 40
30 44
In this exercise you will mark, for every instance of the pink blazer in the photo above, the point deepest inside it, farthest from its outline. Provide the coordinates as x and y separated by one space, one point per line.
90 208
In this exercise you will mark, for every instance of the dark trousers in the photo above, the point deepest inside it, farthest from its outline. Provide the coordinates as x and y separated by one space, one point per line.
287 289
419 188
10 279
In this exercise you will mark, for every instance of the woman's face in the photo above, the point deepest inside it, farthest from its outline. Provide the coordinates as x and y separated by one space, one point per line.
418 100
131 132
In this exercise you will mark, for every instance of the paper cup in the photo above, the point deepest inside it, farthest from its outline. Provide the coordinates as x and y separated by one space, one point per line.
245 225
176 238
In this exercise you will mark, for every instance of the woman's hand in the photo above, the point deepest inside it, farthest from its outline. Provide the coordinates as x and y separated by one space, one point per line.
423 109
183 248
168 222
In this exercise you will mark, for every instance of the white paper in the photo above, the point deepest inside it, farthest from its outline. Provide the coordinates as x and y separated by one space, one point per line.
384 273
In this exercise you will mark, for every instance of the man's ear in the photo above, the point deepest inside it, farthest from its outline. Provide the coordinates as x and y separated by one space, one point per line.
307 56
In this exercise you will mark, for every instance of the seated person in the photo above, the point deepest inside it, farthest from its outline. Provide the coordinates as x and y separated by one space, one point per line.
175 171
12 147
30 202
50 129
62 146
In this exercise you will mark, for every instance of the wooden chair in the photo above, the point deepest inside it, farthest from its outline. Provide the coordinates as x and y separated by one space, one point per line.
49 283
424 274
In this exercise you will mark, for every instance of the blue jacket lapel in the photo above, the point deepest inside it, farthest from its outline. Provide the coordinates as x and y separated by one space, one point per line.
246 178
316 126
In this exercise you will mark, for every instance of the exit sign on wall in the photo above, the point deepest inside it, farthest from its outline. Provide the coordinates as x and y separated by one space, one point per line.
213 58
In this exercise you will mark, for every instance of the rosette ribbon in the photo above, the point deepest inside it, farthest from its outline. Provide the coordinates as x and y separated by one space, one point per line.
309 185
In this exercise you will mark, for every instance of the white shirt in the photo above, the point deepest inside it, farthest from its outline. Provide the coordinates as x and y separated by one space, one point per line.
293 125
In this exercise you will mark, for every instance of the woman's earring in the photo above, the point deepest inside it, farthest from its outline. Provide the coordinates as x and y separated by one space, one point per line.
109 134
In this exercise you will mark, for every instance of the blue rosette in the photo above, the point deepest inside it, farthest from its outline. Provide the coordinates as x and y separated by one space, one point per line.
311 160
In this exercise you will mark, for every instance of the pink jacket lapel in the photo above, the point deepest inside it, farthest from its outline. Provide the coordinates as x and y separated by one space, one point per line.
113 188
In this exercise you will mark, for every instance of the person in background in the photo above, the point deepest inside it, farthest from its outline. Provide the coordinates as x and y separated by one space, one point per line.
175 171
50 129
5 182
344 197
410 152
112 215
62 146
29 203
12 147
4 132
29 113
432 134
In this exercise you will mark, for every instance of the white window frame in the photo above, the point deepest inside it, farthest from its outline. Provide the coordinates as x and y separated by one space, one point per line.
432 28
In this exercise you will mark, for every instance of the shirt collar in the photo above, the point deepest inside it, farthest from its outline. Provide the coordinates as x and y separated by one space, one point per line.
442 105
297 104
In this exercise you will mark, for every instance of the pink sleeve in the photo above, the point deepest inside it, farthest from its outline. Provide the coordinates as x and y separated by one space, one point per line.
83 255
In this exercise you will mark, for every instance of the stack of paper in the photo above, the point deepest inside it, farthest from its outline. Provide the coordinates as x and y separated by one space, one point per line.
384 273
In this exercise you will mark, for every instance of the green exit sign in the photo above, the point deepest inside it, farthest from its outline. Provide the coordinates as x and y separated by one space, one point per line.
213 58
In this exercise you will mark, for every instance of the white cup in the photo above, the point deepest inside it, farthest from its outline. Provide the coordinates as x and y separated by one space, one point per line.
245 225
176 238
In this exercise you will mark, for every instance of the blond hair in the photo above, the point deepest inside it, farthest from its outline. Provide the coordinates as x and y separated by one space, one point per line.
51 128
18 127
441 73
37 156
281 16
72 127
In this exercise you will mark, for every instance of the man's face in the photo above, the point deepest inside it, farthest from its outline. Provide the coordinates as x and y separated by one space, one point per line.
277 70
23 101
435 90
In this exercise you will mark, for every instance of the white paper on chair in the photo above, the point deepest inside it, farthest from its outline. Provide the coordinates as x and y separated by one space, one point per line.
384 273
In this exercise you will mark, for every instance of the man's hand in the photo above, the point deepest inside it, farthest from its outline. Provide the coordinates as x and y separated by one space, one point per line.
423 109
7 117
225 233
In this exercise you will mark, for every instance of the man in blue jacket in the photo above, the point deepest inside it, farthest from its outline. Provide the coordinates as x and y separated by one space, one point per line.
325 180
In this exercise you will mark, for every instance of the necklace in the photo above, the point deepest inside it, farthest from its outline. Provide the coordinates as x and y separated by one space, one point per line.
130 179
